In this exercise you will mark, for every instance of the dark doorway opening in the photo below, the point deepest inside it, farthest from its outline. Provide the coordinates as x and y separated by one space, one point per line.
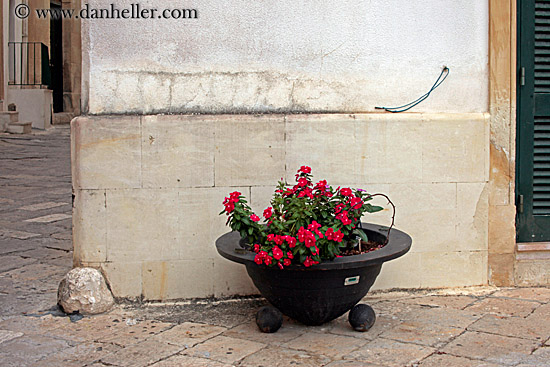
56 58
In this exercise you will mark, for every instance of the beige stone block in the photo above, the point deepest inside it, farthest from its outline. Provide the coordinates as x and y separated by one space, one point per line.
532 272
530 294
142 225
331 345
260 198
489 347
124 278
500 176
224 349
106 152
390 353
453 269
199 222
400 273
427 212
89 226
177 151
189 334
326 143
231 279
279 357
356 148
455 148
390 149
250 150
472 217
502 229
163 280
501 269
141 354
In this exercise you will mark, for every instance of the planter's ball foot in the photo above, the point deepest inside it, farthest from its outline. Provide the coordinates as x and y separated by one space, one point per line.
269 319
361 317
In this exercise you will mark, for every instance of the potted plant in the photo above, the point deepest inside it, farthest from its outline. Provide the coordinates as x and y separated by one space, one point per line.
312 258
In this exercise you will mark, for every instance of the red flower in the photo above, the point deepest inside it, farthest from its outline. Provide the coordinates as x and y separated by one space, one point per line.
280 265
334 236
356 203
321 185
291 241
344 218
310 241
254 218
338 236
229 207
306 192
279 240
268 213
305 169
290 255
346 192
258 259
302 234
256 248
268 260
235 196
271 237
287 262
313 226
302 182
277 253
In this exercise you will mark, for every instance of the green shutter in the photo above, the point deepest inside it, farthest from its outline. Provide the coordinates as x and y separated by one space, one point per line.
533 144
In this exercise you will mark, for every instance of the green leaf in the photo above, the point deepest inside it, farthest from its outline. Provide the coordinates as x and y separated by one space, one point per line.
361 234
250 230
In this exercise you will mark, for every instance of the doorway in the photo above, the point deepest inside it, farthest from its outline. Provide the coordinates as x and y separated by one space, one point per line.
56 58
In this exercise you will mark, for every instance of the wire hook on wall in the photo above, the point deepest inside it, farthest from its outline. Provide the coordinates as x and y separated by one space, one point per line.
444 74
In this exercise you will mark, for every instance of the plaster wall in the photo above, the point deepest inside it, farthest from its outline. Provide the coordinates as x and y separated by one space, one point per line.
277 56
34 105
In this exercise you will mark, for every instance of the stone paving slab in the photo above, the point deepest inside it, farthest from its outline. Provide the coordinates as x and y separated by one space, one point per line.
491 348
474 326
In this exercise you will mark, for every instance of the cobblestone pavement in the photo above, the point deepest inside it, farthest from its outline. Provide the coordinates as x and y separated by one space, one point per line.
459 327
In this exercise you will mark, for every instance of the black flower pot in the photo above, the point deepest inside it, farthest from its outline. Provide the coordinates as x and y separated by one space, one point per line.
323 292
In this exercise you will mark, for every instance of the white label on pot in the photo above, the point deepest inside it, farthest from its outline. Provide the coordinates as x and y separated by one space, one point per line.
351 280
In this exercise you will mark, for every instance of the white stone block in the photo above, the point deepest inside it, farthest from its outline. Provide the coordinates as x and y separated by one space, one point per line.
472 217
250 150
455 148
142 225
231 279
106 152
177 151
163 280
90 226
124 278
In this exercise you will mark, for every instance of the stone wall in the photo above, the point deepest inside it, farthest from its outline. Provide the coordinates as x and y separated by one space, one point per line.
149 188
276 85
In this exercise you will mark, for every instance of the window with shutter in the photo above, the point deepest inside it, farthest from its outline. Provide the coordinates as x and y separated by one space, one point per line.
533 144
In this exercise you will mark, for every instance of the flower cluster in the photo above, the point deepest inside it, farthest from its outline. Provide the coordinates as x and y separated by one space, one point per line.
306 223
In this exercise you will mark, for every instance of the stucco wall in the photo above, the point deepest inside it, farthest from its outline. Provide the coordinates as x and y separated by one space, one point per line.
313 56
